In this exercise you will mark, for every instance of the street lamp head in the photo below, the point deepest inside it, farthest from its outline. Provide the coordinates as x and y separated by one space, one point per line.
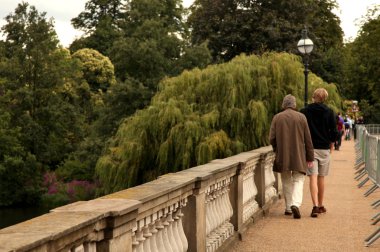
305 45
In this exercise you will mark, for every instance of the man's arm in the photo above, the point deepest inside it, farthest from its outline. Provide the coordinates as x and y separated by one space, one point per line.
308 142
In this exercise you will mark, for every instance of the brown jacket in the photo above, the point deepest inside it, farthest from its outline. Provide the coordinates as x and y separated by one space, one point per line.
291 141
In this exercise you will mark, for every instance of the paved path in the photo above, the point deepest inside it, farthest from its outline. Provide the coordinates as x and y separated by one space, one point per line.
343 228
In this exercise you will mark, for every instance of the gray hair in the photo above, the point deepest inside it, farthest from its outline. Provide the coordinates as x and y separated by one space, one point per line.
289 102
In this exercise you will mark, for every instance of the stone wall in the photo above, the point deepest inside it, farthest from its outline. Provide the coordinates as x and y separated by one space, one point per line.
203 208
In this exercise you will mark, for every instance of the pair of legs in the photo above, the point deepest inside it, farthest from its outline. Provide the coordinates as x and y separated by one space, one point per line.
292 186
338 142
317 189
317 179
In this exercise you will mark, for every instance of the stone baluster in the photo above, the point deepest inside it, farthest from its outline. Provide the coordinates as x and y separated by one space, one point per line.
270 191
208 219
90 247
79 249
212 209
147 234
215 217
153 230
135 243
160 228
214 234
223 230
249 191
165 234
175 228
246 195
140 236
229 206
182 235
226 210
218 215
171 231
223 213
254 191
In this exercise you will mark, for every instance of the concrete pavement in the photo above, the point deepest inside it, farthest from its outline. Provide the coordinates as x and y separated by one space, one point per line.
343 228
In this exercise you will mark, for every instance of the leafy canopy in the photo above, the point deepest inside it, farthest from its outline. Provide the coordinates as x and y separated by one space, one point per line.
202 115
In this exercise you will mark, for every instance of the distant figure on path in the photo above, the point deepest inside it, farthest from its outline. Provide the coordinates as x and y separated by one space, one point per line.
291 141
340 126
323 129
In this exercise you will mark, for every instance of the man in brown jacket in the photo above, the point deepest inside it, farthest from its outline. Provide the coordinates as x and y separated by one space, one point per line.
291 141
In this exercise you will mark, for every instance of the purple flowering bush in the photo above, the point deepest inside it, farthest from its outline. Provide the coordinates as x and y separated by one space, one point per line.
59 193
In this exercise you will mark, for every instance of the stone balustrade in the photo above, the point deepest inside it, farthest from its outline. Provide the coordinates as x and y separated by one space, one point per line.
203 208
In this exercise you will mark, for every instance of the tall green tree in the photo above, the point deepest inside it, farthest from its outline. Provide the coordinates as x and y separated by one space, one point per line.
37 75
232 27
99 21
365 52
150 41
97 69
120 101
151 44
363 68
202 115
20 173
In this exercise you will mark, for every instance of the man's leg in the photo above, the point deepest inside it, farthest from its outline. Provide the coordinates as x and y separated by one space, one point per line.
298 181
321 190
323 171
314 189
287 187
340 134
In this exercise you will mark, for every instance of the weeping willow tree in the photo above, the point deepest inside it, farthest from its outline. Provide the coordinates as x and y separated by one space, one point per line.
202 115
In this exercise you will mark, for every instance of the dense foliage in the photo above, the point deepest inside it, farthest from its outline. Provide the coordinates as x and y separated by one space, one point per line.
71 117
36 102
232 27
145 40
363 65
203 115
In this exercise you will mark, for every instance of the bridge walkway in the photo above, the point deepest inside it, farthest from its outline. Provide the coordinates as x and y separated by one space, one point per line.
344 227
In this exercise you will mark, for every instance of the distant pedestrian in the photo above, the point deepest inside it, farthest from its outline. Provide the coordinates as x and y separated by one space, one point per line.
291 141
360 120
351 125
346 129
322 124
340 129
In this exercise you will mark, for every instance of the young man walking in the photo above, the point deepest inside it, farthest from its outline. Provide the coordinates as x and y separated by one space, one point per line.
323 130
291 141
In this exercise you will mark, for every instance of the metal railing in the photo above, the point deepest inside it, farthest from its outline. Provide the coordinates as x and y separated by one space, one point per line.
367 147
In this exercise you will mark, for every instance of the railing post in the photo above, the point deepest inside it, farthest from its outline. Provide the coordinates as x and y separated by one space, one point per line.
236 196
195 228
260 181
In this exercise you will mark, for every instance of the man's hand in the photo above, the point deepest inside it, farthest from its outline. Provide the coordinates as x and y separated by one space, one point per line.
309 164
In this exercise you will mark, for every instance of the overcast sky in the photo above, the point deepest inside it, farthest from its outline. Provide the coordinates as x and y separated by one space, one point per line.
64 10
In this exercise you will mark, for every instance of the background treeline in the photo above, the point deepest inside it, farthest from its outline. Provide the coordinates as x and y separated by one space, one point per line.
116 108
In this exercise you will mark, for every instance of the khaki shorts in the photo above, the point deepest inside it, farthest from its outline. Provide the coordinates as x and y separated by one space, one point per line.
321 162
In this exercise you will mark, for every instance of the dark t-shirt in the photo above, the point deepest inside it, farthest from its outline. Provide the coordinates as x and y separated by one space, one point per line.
322 125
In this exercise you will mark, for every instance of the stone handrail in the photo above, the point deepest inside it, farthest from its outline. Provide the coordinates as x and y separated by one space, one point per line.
203 208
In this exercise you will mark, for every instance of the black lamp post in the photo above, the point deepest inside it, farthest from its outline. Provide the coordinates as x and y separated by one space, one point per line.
305 46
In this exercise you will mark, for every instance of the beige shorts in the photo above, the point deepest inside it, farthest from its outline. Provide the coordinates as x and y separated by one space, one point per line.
321 162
